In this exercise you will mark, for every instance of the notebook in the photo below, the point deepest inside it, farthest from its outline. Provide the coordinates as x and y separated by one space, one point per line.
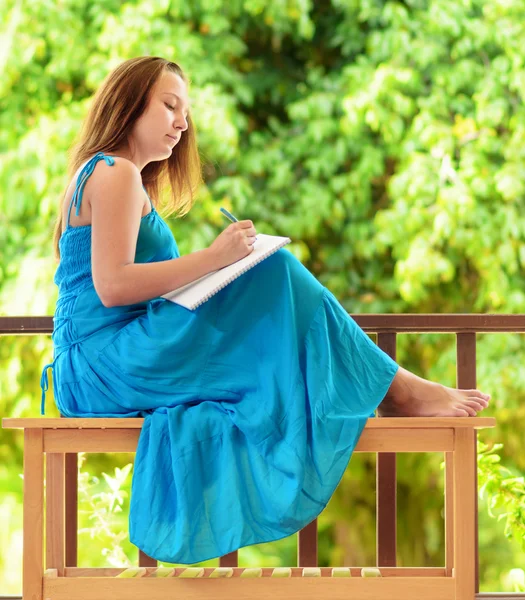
197 292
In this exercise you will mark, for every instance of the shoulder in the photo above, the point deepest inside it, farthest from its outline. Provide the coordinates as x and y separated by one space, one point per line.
118 184
114 187
122 173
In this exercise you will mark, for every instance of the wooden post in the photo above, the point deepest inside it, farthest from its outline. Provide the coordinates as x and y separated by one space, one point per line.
33 568
71 508
55 512
449 513
466 379
307 546
145 560
464 513
229 560
386 485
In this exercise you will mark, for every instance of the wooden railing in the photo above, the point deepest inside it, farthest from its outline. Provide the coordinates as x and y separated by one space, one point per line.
387 327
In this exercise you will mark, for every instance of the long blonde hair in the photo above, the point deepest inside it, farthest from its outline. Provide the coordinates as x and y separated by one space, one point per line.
116 106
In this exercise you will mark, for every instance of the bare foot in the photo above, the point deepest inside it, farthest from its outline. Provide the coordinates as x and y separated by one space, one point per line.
412 396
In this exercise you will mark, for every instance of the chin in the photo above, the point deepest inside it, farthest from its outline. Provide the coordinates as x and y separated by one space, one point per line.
163 155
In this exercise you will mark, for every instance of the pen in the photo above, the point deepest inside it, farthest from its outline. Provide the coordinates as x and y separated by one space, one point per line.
230 217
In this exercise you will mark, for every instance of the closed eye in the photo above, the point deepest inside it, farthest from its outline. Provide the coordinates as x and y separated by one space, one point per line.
170 107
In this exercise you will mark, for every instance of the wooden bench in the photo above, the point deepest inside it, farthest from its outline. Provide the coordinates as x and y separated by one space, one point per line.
56 438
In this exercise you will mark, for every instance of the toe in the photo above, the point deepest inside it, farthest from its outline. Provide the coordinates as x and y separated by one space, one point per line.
478 396
467 406
461 413
474 403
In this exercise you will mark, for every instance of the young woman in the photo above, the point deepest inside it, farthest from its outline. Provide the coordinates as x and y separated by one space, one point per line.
253 403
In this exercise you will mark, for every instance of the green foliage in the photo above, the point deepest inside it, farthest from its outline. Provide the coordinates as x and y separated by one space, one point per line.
505 492
100 508
384 137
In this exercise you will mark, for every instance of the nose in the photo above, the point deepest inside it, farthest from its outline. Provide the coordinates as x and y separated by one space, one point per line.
181 123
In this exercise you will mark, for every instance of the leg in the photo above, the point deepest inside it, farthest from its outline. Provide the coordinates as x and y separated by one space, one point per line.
33 569
71 484
412 396
449 513
55 512
464 513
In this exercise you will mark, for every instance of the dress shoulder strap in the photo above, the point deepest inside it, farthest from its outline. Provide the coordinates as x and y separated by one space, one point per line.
83 176
146 192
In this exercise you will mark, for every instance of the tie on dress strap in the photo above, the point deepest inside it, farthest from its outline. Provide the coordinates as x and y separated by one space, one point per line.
88 168
44 385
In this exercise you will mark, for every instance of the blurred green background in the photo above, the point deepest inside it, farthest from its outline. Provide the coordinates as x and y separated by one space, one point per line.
385 138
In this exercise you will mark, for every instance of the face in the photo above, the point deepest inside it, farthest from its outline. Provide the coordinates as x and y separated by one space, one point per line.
160 127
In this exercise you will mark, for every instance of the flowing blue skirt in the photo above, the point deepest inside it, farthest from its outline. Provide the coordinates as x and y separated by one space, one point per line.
252 404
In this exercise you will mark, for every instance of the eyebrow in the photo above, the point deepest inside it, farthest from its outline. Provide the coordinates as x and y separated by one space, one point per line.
178 98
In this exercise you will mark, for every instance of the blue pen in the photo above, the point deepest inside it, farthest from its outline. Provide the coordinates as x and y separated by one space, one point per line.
229 216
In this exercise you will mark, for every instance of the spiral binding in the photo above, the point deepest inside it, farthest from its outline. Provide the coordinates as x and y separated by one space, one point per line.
223 284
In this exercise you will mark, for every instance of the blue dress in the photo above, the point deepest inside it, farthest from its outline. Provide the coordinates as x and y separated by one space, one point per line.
252 403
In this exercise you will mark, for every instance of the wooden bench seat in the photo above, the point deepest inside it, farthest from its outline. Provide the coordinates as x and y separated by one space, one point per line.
455 437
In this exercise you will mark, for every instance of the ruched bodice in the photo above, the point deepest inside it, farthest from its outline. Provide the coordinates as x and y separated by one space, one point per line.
252 403
155 242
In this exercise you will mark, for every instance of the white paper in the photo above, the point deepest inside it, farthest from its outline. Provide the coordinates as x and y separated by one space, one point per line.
195 293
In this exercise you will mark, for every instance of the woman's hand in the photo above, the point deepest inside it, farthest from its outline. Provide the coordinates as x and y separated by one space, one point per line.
234 243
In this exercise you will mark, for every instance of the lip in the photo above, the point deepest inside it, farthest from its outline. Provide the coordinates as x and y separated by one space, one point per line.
172 137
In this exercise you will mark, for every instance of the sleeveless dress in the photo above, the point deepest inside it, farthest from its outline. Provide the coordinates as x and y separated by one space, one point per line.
252 404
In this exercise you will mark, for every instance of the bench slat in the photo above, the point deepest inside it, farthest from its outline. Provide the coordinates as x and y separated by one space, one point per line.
292 588
133 423
372 440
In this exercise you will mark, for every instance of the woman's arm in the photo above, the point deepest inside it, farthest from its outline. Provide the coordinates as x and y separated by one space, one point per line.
116 209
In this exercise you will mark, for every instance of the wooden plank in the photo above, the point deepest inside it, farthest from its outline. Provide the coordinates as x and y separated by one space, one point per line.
125 440
49 423
71 509
133 423
466 379
229 560
371 323
307 545
399 440
386 509
33 568
145 560
266 571
449 513
55 513
464 517
440 323
386 482
26 325
297 588
91 440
